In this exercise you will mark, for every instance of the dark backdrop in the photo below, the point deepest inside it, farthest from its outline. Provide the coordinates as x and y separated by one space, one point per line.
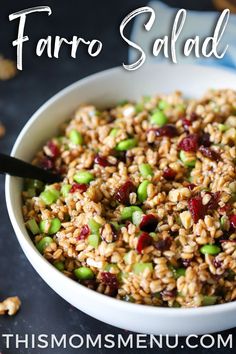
43 311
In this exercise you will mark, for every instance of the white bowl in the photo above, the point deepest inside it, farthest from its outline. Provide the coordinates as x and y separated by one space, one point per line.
103 89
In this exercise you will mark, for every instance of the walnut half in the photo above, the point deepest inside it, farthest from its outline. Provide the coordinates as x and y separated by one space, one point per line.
10 306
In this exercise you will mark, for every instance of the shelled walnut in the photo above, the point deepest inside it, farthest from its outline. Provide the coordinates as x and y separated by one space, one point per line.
10 306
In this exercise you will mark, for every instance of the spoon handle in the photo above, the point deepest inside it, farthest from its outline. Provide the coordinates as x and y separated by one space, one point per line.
19 168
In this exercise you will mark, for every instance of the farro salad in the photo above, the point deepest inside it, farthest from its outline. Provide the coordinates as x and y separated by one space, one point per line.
146 211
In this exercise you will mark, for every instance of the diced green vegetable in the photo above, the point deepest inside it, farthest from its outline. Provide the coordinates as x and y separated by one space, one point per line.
84 273
54 191
33 226
65 189
114 132
94 226
139 268
44 243
127 212
139 107
127 144
55 226
223 127
159 118
142 191
163 105
60 139
110 266
122 276
209 300
187 161
43 225
190 179
94 240
35 184
154 235
232 198
147 98
157 294
128 298
31 192
210 249
75 137
224 223
145 170
83 177
116 225
137 217
49 196
59 265
232 187
178 272
181 107
126 257
122 103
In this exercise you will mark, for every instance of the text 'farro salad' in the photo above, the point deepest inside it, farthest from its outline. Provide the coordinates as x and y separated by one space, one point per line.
146 211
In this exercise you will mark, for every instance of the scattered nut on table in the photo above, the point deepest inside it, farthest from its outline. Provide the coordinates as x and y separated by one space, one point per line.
8 69
2 130
10 306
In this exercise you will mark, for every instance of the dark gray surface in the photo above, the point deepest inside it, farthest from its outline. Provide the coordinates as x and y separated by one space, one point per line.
42 310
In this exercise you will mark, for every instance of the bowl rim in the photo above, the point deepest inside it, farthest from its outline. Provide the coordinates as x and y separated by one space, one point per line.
21 236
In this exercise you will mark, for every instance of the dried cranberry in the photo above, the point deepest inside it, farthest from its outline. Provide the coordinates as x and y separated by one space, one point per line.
109 233
217 263
211 154
77 187
216 277
123 192
84 232
205 140
191 186
47 163
193 116
129 159
225 209
169 173
148 223
144 241
232 220
168 130
227 240
101 161
120 155
186 124
54 149
174 233
196 208
225 236
163 245
61 170
186 262
169 293
189 143
109 279
127 223
213 202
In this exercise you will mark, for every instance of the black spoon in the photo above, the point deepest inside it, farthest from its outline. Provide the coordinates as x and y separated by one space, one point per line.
19 168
